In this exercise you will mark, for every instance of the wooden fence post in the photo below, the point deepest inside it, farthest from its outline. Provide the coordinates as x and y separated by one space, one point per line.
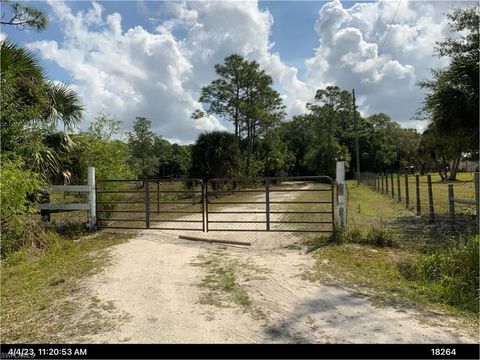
45 214
381 183
407 194
477 200
92 201
386 184
451 207
393 188
398 188
417 194
431 210
158 196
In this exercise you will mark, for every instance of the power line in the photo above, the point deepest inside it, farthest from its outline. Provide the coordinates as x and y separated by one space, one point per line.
386 36
379 17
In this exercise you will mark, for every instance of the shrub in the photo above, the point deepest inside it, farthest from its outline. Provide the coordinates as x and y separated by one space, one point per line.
452 273
16 195
377 236
380 236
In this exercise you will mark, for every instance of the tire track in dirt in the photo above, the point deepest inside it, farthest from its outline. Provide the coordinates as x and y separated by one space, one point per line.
154 280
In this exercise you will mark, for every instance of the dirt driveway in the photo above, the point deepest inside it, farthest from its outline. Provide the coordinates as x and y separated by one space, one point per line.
168 290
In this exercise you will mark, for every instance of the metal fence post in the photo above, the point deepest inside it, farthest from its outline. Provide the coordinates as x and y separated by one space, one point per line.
451 207
417 194
393 187
431 210
147 202
92 202
407 194
340 179
267 202
398 188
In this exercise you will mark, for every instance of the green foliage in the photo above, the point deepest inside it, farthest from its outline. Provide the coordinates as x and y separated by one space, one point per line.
272 154
18 187
451 103
215 155
23 16
378 236
17 184
243 94
100 149
141 142
31 108
451 272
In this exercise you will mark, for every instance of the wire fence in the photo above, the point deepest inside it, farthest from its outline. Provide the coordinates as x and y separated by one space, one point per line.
435 208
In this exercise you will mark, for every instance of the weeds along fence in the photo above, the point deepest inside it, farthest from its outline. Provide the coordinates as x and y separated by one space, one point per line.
437 207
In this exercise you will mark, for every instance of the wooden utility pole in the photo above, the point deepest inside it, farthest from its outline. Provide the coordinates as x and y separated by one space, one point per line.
357 155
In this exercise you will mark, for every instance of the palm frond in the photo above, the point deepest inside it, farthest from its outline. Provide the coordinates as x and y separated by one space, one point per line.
64 105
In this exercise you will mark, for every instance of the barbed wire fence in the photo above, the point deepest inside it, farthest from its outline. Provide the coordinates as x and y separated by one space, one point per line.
435 209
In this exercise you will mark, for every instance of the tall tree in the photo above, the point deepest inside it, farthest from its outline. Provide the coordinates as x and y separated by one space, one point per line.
22 16
32 107
451 103
242 94
141 142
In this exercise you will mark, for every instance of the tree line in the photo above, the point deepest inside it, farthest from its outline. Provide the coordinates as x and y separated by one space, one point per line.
39 143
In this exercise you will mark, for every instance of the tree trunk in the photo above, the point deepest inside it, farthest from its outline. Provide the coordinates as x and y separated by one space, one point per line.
454 170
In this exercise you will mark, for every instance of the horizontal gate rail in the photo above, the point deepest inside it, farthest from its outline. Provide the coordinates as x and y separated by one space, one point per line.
221 193
303 204
166 204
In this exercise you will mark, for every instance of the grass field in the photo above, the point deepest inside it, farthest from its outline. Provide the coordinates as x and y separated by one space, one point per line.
464 188
382 273
42 296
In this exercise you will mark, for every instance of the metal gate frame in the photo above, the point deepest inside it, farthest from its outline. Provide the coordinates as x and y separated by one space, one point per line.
267 202
146 201
204 201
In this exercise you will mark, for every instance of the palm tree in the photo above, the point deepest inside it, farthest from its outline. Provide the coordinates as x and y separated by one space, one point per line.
32 107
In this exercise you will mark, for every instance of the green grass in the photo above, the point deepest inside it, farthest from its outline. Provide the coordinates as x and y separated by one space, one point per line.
42 295
379 273
225 279
464 188
366 208
399 274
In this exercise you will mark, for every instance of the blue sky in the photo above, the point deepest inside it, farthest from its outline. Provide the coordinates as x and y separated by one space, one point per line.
151 58
292 31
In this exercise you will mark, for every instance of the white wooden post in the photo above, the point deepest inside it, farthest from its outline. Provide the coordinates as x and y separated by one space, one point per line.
341 205
92 212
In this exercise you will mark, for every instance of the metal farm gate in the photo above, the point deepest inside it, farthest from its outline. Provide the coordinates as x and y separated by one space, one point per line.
164 204
281 204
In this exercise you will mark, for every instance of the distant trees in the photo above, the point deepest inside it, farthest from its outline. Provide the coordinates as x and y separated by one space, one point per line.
452 102
243 94
215 154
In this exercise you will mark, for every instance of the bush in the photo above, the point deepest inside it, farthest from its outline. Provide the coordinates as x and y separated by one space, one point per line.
376 236
452 274
380 236
16 195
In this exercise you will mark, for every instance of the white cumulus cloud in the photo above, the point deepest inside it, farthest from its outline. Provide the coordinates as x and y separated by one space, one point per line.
129 72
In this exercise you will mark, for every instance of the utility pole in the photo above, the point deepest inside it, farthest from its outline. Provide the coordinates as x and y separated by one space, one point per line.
357 155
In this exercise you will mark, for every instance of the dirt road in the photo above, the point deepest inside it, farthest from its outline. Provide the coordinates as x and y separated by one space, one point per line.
157 281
